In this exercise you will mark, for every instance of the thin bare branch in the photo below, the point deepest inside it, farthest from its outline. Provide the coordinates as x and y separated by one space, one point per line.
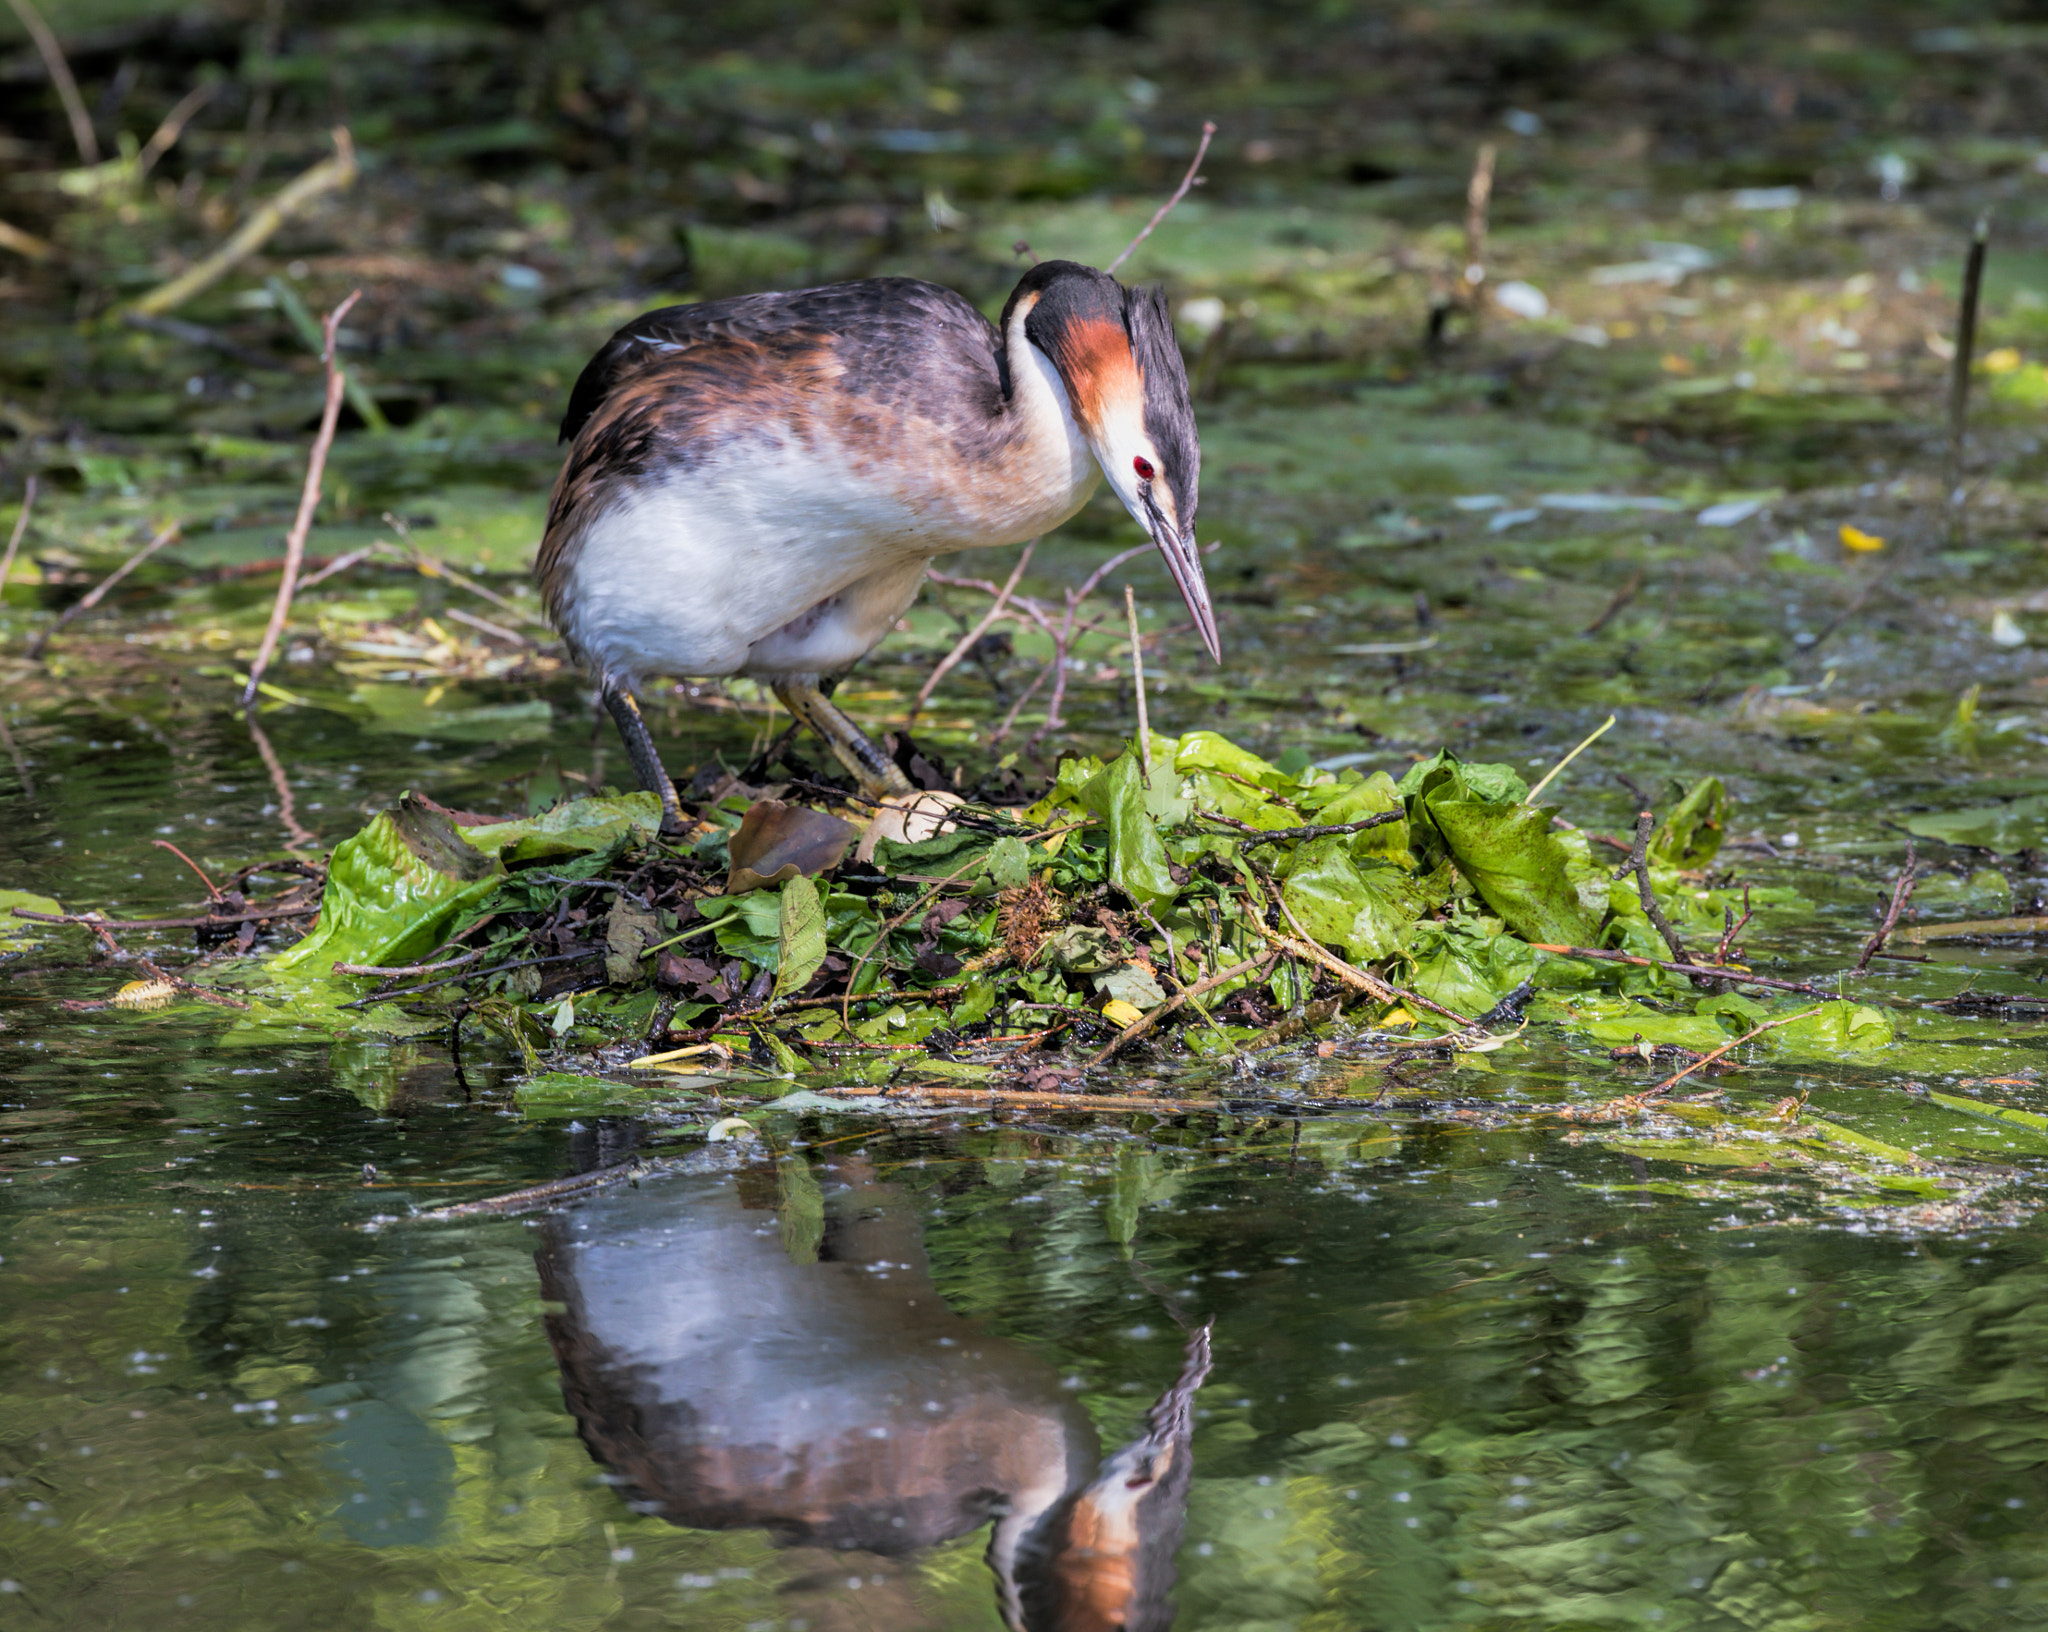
1681 1074
28 503
966 642
26 244
92 597
1187 181
212 888
166 134
427 567
309 500
60 76
1902 892
1187 994
329 175
395 971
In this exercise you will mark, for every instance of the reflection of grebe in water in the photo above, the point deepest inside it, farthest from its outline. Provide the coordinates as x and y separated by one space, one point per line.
738 1370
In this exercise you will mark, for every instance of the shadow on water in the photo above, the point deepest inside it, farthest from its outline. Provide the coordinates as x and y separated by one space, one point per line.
756 1344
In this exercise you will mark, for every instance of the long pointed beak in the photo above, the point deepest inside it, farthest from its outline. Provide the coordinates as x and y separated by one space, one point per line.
1184 561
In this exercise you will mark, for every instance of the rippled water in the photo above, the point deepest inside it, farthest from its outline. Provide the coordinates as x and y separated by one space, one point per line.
1462 1375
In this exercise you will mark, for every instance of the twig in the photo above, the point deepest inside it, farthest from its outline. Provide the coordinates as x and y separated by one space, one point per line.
1383 989
1138 682
1179 193
1639 863
1953 492
1063 639
1902 891
341 563
1364 980
538 1195
286 300
1968 929
480 974
1622 597
92 597
966 642
101 927
410 968
329 175
1478 196
485 626
300 837
427 567
26 244
1464 293
1707 1059
60 76
1550 775
1735 975
1187 994
28 503
212 888
1732 926
1286 1030
173 126
252 917
1314 830
1016 708
309 500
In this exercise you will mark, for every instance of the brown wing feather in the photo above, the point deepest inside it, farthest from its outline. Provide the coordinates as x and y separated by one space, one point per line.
882 327
680 385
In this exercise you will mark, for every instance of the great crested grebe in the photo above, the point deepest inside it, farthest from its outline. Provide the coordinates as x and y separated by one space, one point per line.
755 486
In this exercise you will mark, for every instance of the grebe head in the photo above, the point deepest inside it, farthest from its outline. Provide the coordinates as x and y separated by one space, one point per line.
1115 352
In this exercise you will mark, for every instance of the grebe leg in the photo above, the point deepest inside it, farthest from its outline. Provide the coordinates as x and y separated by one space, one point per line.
646 761
872 769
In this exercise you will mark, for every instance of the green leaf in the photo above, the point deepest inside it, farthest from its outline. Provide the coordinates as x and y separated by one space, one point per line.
577 825
392 891
801 944
934 857
1137 858
1009 864
1131 983
2002 1113
1367 911
1518 867
1484 784
1839 1028
1450 975
1341 802
564 1093
2021 825
1690 837
19 932
402 710
1206 751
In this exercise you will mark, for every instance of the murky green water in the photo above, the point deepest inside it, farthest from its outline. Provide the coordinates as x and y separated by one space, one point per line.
1465 1374
1473 1365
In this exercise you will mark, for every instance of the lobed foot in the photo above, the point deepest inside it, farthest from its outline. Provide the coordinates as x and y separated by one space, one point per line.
874 770
646 760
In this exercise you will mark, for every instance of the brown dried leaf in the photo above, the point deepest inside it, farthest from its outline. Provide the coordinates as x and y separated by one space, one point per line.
778 842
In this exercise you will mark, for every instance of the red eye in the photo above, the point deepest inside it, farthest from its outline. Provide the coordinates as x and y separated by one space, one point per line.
1143 467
